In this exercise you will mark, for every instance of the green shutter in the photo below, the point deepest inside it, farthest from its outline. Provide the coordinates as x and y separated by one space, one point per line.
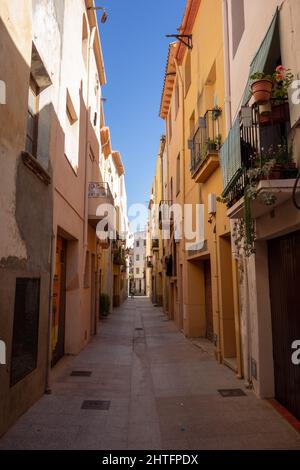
230 153
260 59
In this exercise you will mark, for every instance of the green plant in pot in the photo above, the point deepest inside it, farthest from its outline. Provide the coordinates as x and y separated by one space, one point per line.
104 305
261 87
216 112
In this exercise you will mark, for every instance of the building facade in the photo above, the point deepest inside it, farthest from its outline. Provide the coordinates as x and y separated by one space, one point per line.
235 154
138 263
54 266
261 38
200 289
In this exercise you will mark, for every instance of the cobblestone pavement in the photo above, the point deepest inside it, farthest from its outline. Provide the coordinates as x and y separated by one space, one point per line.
162 392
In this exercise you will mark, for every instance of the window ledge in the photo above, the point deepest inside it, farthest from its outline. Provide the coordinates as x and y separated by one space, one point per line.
36 167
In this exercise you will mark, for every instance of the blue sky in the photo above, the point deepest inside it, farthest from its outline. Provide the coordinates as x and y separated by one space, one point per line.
135 51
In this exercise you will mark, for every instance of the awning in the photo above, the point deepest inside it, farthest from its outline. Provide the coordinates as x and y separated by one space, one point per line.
258 64
230 153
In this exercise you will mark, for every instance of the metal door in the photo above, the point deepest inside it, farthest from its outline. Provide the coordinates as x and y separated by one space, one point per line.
284 275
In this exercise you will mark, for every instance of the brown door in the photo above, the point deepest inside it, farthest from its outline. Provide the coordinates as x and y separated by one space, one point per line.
208 301
284 275
59 302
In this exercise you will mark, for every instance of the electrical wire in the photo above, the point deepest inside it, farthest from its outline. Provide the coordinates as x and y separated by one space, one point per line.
296 204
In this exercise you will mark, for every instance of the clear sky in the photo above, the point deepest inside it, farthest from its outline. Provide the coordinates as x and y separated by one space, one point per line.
135 51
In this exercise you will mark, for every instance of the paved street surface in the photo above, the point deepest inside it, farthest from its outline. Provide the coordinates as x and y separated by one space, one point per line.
163 394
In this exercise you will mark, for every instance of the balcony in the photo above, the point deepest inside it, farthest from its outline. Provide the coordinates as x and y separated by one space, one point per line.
99 194
266 161
165 215
205 146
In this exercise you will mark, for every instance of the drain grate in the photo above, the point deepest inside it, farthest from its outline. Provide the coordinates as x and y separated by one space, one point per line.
232 392
139 329
81 373
95 405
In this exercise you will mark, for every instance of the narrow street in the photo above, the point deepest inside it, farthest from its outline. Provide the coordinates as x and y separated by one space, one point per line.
160 391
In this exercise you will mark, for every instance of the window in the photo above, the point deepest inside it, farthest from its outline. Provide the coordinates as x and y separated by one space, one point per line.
176 98
137 244
137 270
145 243
25 329
171 190
170 125
178 175
71 133
238 23
32 118
137 257
187 72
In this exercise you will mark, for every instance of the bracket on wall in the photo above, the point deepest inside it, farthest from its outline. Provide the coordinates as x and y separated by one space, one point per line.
185 39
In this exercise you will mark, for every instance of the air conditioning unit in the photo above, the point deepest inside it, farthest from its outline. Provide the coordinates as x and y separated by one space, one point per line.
212 203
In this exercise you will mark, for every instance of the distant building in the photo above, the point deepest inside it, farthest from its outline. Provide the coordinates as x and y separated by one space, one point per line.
138 263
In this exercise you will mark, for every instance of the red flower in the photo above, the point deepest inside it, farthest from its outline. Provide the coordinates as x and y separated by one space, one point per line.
280 68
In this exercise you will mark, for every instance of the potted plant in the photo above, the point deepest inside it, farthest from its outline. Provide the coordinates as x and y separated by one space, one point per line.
216 113
104 305
261 87
278 162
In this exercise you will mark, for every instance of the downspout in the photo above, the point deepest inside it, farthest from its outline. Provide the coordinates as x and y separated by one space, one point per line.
228 115
178 72
85 233
217 277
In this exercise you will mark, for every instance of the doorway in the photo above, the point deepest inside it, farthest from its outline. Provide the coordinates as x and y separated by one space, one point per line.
208 301
59 302
284 278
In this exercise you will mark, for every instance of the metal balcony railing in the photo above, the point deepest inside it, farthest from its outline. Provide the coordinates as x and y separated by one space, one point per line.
262 139
100 190
207 138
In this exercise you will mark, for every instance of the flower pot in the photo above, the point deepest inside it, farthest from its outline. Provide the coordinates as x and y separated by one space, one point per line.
265 109
261 91
280 113
264 119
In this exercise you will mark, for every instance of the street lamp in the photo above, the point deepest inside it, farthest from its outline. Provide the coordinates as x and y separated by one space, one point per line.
104 14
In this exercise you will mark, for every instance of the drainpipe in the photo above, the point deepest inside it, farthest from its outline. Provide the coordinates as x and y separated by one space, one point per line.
249 383
218 345
86 201
178 72
226 65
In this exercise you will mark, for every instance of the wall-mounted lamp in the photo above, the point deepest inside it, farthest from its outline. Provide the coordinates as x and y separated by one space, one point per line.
185 39
104 14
